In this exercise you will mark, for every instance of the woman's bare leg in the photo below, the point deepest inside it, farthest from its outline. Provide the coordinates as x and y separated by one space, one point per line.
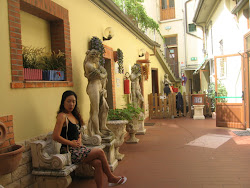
97 153
97 164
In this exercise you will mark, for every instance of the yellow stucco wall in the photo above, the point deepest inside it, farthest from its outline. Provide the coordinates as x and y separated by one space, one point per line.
30 27
34 109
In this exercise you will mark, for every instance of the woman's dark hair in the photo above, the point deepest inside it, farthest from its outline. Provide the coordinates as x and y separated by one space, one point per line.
75 112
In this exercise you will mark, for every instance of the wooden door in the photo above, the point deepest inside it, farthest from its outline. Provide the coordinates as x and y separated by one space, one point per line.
229 91
155 86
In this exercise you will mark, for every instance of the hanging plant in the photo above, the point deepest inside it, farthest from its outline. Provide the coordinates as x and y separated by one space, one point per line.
120 61
145 71
135 10
96 43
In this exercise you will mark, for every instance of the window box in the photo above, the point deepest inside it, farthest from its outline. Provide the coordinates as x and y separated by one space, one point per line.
32 74
53 75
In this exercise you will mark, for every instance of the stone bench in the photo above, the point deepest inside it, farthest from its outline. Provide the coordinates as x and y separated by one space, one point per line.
53 169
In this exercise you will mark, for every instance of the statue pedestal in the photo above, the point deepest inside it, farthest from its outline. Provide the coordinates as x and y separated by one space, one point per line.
118 128
109 150
198 112
141 129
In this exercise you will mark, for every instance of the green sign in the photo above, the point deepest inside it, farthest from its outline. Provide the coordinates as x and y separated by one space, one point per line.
193 58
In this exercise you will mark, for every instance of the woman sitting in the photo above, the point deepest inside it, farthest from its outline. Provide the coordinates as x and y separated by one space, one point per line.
67 132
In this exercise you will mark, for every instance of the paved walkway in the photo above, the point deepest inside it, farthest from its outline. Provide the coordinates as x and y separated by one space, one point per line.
184 153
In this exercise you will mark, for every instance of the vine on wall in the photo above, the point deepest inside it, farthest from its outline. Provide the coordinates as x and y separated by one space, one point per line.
120 60
137 12
96 43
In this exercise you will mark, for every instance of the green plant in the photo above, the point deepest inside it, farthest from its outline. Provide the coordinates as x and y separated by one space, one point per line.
127 113
221 91
54 61
32 57
135 9
37 58
120 60
96 43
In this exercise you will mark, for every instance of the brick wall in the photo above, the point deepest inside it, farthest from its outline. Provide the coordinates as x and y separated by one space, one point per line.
60 38
8 122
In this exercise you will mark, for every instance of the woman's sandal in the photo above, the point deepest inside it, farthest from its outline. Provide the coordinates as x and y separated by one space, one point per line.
121 181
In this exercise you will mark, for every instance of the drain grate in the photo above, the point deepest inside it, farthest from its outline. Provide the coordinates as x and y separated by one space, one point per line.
149 124
242 133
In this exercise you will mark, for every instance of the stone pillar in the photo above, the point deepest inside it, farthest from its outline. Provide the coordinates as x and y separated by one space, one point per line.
198 112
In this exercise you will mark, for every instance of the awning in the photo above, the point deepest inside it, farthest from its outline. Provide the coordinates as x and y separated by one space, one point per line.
202 65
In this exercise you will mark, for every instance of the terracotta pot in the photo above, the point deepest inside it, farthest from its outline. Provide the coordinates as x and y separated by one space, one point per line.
10 159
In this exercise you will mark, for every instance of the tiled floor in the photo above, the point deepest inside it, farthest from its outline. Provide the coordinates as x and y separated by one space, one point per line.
184 153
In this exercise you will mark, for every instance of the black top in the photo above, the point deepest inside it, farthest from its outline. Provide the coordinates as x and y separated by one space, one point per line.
73 132
167 89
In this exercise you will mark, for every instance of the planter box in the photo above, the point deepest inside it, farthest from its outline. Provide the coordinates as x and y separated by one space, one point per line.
32 74
53 75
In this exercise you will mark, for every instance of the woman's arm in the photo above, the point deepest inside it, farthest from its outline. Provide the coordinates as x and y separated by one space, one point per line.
60 120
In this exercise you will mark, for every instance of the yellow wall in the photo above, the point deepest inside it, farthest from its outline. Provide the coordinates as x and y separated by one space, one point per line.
30 27
34 109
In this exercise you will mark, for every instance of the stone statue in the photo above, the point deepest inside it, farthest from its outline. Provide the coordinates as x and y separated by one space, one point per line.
136 95
166 79
96 89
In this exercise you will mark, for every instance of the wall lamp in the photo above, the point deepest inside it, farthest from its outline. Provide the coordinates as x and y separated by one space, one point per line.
142 52
108 33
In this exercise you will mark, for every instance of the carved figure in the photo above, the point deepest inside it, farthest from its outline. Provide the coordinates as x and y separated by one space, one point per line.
96 89
166 79
137 98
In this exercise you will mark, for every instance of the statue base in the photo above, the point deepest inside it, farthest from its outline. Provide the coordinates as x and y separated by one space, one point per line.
140 124
198 112
109 143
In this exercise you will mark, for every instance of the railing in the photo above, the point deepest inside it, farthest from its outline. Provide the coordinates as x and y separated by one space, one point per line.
162 106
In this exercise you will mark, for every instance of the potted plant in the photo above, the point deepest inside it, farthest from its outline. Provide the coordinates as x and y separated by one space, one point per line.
121 119
32 65
41 65
54 66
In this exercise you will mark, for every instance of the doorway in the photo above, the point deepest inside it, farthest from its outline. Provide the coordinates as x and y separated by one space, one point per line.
229 91
155 86
109 87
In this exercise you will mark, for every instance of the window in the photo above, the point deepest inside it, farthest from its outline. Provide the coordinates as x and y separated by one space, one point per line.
167 9
171 3
170 41
222 68
164 4
191 27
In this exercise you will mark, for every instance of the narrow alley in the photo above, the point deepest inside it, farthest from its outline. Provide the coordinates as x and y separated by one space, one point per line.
184 153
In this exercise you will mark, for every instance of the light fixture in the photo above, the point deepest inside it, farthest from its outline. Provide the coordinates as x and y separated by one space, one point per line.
108 33
142 52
